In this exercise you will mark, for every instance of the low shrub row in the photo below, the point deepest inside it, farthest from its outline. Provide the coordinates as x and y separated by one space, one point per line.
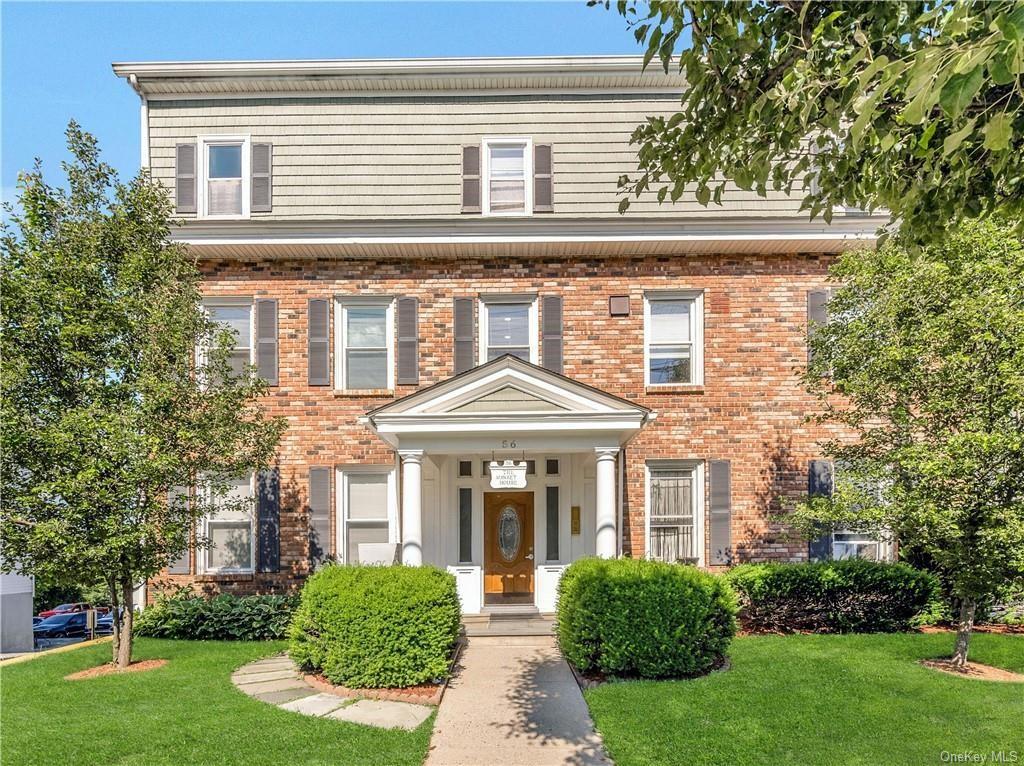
630 617
366 626
222 618
852 596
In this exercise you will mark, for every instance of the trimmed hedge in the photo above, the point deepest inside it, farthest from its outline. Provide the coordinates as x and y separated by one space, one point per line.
850 596
629 617
377 627
222 618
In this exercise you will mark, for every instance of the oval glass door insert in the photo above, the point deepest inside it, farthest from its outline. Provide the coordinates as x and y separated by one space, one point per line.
509 533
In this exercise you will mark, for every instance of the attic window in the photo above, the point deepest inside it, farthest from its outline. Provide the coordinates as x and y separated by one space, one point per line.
508 176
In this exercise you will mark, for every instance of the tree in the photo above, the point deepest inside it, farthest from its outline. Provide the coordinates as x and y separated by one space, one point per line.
914 107
106 407
921 362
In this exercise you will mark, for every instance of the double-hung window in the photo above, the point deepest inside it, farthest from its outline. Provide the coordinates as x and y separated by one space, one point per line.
672 502
235 315
367 500
225 180
508 326
673 330
365 357
508 176
229 529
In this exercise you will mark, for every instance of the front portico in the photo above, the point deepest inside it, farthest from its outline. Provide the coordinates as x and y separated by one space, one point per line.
508 534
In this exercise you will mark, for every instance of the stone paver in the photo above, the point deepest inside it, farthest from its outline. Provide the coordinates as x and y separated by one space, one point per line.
286 695
273 686
384 713
270 675
316 704
514 701
277 681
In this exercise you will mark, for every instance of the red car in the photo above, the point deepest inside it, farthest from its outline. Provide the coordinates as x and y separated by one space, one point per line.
78 606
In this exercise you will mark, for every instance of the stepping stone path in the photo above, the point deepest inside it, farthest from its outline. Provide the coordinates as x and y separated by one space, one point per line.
278 681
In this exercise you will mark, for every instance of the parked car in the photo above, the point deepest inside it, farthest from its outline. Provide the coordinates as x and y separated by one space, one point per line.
105 624
70 625
78 606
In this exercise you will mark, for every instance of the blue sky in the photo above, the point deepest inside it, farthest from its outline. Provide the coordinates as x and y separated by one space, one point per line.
56 56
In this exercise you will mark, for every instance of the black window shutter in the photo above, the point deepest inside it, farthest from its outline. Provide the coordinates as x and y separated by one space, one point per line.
181 564
819 484
464 332
817 314
543 201
551 332
721 511
471 179
318 330
408 373
266 340
268 520
260 184
319 515
185 178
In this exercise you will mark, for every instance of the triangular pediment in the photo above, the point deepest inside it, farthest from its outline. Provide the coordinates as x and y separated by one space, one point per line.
507 386
509 399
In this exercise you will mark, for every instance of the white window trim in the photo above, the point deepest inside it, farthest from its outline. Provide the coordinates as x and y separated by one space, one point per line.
341 305
699 515
485 173
534 323
341 500
202 352
202 567
205 142
696 334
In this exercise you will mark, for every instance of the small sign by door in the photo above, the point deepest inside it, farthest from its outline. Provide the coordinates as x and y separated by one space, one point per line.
507 474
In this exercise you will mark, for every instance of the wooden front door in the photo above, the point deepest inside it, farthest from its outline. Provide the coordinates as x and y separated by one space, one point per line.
508 547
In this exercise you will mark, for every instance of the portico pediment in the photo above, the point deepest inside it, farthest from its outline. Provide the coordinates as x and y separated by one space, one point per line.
511 396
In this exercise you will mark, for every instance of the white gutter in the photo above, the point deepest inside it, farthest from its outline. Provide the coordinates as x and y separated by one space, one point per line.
394 66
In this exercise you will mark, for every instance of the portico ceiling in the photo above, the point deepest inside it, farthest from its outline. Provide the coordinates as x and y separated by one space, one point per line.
508 404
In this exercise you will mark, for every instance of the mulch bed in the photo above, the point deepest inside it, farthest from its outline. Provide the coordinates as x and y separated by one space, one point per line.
975 670
996 627
109 669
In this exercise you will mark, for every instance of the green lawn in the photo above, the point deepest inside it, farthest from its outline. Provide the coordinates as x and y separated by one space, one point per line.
187 712
819 699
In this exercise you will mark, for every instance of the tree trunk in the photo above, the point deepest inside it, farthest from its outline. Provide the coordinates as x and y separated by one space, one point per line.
114 601
124 642
963 633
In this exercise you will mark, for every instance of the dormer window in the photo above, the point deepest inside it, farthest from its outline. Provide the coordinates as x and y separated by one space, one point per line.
508 176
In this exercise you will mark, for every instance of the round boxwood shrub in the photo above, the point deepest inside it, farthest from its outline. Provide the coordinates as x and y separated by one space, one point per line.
647 619
850 596
376 627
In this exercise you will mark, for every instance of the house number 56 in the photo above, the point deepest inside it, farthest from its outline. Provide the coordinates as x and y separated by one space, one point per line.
508 444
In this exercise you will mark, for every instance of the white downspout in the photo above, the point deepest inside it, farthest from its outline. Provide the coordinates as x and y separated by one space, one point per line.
143 122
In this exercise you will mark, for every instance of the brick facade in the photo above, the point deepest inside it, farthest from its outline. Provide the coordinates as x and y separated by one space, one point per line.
751 408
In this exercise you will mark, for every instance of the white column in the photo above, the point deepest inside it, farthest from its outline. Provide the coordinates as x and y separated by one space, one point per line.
606 533
412 512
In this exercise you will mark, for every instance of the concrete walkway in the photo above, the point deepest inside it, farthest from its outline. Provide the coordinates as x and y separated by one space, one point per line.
513 701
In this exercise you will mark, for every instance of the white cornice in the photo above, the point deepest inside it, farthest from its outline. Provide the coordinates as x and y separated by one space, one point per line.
536 230
319 78
401 66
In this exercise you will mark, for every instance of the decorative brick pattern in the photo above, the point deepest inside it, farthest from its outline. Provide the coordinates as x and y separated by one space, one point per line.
752 408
